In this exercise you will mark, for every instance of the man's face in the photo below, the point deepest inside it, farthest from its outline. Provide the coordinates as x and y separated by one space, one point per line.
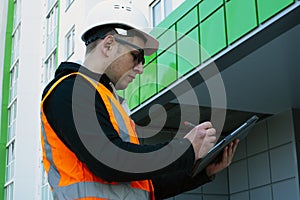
126 66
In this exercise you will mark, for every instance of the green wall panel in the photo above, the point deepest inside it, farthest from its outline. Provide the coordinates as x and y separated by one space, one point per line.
240 18
149 59
188 52
132 94
148 82
167 39
206 7
268 8
220 22
166 68
212 34
188 21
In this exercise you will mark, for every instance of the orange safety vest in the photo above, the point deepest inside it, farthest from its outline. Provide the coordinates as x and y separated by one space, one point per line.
68 177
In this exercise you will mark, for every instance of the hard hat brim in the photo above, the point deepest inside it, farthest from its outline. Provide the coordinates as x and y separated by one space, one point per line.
151 44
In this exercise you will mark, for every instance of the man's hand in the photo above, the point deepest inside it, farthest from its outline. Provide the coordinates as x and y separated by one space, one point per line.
203 138
228 154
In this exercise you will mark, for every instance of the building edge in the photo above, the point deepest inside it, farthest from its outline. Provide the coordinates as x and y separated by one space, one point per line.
5 92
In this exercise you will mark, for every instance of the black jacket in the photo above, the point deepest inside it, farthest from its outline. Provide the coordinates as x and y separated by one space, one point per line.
59 107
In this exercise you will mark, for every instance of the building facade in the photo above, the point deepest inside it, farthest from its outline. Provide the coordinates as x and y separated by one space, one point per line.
222 60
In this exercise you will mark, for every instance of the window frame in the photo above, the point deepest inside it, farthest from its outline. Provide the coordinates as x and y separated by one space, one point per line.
10 161
70 43
68 4
49 68
163 10
12 122
17 13
51 29
13 85
9 187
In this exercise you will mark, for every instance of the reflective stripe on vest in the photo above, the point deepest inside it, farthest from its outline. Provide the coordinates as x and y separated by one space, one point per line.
67 181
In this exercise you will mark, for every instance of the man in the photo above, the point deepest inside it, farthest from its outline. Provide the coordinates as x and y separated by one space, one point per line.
90 146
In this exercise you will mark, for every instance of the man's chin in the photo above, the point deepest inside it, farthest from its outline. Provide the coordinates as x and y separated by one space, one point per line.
121 86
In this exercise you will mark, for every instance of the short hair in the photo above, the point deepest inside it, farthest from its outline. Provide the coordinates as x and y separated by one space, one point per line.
91 37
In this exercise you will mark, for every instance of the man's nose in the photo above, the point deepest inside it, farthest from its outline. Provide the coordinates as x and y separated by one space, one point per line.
139 68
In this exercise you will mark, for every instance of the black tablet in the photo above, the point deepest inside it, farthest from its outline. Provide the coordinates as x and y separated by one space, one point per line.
240 133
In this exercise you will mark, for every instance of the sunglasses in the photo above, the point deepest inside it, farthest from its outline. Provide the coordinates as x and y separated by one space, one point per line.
137 57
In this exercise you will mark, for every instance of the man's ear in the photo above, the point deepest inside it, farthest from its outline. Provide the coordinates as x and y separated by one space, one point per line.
107 45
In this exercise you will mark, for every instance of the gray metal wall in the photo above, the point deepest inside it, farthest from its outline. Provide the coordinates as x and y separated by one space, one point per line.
264 168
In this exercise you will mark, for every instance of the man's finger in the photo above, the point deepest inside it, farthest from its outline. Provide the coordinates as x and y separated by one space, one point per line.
205 125
211 132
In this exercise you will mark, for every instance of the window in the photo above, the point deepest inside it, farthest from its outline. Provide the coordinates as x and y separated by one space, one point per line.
51 29
50 4
68 3
16 31
9 189
51 42
157 15
70 43
17 13
10 160
13 82
168 7
160 9
49 68
15 45
12 108
12 115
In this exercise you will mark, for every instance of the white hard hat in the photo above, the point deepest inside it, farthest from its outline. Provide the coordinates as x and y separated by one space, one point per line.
120 13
